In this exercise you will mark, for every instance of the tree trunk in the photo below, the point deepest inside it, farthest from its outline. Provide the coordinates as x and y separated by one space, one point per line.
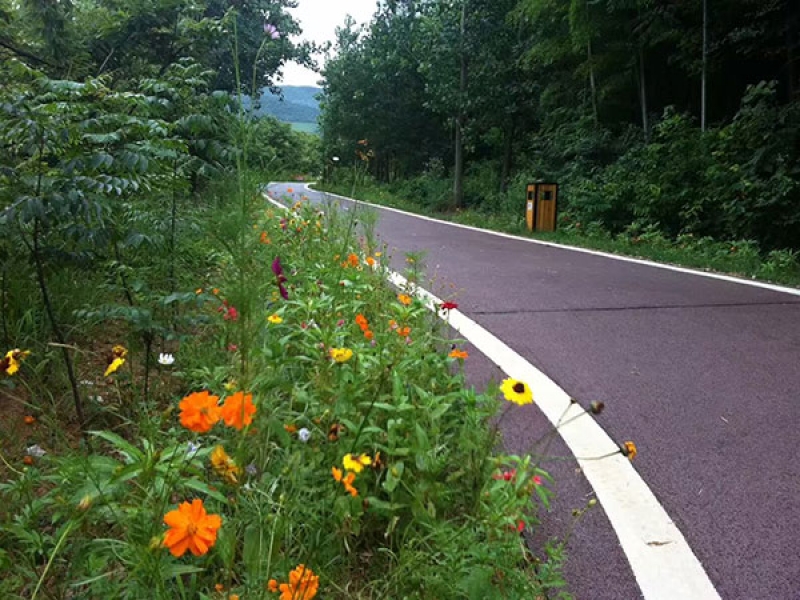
791 22
703 98
458 175
643 96
592 82
508 156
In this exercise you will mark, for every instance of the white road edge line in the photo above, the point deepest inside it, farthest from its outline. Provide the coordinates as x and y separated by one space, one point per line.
639 261
664 565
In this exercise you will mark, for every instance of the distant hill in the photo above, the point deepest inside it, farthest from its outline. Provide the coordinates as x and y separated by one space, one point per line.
298 105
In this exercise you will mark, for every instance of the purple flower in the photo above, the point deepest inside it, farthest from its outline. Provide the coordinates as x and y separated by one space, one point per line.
280 278
271 31
277 268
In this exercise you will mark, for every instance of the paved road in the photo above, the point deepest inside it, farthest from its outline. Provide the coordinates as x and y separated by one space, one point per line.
703 374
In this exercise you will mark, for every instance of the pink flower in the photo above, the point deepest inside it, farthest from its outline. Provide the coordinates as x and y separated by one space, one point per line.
271 31
231 314
232 347
340 322
537 480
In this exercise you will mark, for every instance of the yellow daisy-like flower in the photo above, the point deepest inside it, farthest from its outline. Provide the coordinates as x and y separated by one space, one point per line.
115 364
356 463
341 355
275 319
517 392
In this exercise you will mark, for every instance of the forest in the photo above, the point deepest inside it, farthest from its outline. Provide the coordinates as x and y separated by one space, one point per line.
675 118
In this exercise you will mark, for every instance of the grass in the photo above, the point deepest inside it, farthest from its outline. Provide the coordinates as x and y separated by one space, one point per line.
740 258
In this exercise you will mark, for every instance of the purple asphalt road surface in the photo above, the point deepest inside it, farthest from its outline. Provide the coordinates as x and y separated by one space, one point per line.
703 374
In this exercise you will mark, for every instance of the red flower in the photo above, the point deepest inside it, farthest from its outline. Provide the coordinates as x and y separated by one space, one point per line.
448 306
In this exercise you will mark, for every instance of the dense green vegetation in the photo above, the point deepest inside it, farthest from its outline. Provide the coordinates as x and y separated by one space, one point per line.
655 117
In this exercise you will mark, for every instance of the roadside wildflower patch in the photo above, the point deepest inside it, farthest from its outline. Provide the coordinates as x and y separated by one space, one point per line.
307 427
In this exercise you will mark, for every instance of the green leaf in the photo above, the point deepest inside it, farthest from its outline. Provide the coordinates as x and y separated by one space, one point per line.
203 488
125 448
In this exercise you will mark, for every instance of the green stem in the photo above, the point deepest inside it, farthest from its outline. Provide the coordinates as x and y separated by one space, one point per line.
60 543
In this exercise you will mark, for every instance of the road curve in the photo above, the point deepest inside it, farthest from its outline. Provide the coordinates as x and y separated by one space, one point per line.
703 374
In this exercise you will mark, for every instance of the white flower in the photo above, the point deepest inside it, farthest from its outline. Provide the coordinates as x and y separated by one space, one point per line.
165 359
304 435
36 451
192 449
98 399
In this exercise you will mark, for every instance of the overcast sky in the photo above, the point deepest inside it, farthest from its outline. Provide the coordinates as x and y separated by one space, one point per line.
319 20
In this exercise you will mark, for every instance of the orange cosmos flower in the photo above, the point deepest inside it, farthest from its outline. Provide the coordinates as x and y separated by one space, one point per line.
303 585
352 259
370 261
361 321
191 528
347 482
199 412
404 331
30 419
368 334
238 410
404 299
456 353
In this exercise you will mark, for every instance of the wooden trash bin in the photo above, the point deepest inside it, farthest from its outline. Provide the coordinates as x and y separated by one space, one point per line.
541 206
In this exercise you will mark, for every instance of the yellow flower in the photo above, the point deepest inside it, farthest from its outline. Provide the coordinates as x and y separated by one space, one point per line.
341 355
119 351
275 319
224 465
231 385
517 392
13 359
115 364
629 450
404 299
356 463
